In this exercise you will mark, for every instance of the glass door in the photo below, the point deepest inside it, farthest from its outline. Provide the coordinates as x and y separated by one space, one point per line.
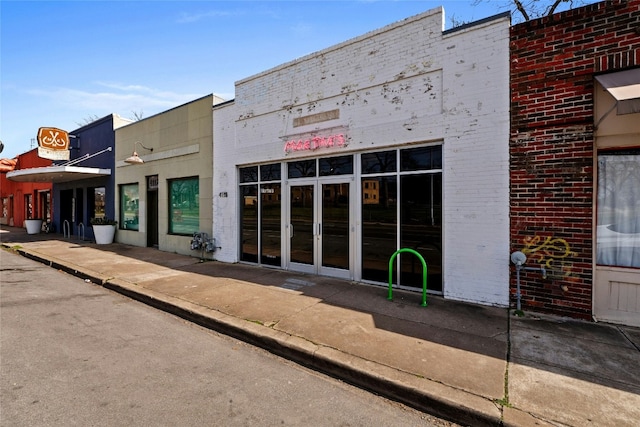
302 228
320 237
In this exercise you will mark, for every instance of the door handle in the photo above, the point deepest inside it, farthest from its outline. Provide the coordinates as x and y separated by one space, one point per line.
319 229
290 231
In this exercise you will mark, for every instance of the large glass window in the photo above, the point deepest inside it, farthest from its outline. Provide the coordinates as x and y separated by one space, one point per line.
249 222
270 208
260 214
402 209
379 226
184 197
129 206
618 224
421 228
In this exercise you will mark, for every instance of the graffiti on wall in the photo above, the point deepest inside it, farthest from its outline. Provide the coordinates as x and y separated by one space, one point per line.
551 253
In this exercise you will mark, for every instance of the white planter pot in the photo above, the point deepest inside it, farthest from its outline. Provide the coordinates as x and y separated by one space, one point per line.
33 225
104 234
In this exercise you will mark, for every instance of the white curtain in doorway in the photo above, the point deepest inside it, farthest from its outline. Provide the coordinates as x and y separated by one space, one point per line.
618 222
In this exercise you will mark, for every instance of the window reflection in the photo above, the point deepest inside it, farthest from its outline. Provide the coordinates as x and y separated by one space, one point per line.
270 223
380 162
421 229
379 226
336 166
129 205
422 158
249 223
301 169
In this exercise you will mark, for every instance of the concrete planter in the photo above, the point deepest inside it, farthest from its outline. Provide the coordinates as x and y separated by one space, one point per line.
33 225
104 234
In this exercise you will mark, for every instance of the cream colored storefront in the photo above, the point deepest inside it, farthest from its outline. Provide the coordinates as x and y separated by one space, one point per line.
167 197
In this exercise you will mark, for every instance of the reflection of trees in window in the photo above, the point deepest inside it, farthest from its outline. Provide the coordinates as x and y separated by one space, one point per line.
342 165
270 172
379 162
422 158
618 186
249 174
260 214
129 202
185 205
301 169
184 193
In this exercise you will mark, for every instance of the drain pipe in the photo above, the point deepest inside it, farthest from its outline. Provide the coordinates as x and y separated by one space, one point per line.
519 258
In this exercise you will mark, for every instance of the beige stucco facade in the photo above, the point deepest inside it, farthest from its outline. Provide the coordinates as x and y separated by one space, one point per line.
179 145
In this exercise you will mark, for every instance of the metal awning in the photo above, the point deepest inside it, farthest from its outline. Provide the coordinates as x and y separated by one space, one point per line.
56 174
624 86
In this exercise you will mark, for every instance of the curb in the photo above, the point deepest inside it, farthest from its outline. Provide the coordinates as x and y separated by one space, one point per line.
76 271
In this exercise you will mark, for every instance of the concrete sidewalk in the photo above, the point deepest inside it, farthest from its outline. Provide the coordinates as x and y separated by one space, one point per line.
471 364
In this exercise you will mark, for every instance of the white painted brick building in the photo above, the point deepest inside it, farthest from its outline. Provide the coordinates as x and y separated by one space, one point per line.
419 119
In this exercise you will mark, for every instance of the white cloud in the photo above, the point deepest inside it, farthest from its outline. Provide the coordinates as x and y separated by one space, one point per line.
187 18
121 97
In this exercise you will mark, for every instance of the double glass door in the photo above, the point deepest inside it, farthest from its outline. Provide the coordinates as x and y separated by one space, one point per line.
320 227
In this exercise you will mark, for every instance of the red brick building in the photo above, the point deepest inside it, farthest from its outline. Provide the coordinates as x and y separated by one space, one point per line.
575 161
25 200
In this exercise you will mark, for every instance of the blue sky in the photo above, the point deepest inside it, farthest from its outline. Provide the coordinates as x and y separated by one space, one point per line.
63 63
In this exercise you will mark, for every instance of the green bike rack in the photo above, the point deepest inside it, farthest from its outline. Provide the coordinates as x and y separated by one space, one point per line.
424 274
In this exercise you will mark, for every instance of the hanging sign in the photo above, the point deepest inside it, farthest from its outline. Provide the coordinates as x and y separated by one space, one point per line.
53 143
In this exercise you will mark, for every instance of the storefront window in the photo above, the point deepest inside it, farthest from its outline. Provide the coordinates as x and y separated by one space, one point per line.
44 206
270 172
421 158
421 228
342 165
249 174
129 206
96 202
618 224
5 208
380 162
379 226
419 186
260 214
270 208
301 169
249 222
184 197
28 206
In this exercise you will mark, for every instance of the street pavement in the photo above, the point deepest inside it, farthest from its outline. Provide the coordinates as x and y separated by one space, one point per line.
471 364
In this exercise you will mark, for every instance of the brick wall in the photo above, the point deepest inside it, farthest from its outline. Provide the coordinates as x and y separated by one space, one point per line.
553 61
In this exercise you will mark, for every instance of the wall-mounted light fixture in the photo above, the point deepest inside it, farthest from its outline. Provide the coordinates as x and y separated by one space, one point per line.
135 159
